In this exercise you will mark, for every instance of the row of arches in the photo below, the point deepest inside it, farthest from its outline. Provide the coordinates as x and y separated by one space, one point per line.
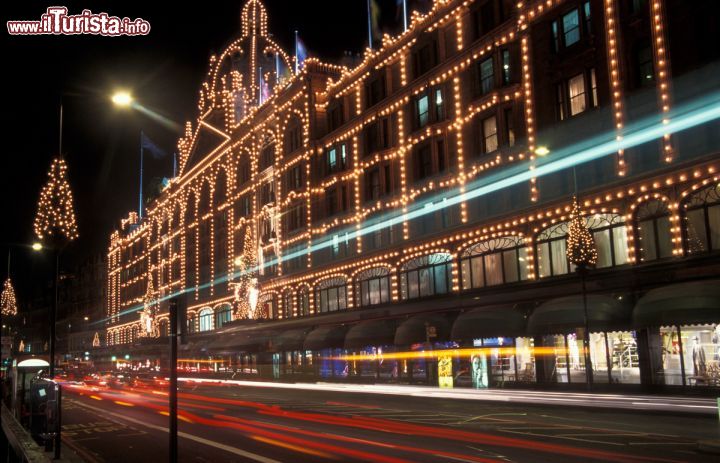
652 229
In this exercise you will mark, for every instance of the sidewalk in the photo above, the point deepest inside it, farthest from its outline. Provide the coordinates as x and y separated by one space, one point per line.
630 402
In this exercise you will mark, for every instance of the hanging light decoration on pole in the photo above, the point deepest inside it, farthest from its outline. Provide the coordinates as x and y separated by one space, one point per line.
55 218
55 226
8 303
582 253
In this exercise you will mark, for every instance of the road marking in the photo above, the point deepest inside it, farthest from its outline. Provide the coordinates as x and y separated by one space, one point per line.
209 443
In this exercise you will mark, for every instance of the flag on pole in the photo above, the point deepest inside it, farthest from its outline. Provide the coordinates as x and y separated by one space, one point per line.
147 144
300 53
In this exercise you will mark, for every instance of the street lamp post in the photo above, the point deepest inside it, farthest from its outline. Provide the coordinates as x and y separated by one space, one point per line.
581 251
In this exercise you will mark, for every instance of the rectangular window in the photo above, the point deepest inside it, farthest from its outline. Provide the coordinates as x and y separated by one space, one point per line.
331 202
646 71
423 161
440 145
593 88
422 108
439 108
425 59
571 28
332 160
388 179
372 185
509 127
556 36
486 76
560 101
506 66
576 92
489 129
343 156
588 17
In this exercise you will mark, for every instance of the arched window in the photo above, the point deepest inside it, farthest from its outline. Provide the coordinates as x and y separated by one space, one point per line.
702 220
654 239
287 304
303 301
331 295
266 306
494 262
610 235
372 286
425 276
223 314
206 319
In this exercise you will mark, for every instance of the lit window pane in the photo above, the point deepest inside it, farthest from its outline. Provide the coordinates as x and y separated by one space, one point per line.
647 240
478 279
576 90
543 259
490 139
422 111
602 245
620 244
465 274
559 257
493 269
511 266
696 234
664 238
486 76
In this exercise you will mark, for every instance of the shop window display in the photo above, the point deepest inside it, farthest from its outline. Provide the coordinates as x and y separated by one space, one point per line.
686 355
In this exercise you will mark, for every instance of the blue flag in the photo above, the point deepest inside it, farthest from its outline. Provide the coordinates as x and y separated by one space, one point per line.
300 53
147 144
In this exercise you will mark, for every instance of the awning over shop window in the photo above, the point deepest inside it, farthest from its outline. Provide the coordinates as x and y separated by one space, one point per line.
679 304
488 322
370 333
289 340
326 337
565 314
422 328
239 341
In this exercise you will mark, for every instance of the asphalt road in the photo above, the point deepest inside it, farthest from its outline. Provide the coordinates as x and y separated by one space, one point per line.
230 423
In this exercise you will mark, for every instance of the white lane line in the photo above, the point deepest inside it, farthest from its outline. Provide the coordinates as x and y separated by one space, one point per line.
210 443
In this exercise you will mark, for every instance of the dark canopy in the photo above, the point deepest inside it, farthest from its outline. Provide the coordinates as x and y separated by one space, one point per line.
289 340
564 314
414 329
679 304
488 322
370 333
326 337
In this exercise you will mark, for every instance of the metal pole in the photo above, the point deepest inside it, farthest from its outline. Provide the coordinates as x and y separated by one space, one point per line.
173 384
586 339
140 206
53 312
58 439
61 130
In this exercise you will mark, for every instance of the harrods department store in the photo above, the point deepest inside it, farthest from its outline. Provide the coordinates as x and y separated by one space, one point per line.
346 223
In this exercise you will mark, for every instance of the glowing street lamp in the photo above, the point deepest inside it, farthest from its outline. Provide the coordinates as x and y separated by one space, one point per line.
542 151
37 246
122 99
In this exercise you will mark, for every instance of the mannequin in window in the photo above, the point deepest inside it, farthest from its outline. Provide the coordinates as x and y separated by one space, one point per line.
698 356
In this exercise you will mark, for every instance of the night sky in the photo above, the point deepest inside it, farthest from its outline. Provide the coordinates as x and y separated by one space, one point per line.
164 71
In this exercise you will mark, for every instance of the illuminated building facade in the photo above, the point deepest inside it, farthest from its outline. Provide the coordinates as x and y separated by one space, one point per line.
337 212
